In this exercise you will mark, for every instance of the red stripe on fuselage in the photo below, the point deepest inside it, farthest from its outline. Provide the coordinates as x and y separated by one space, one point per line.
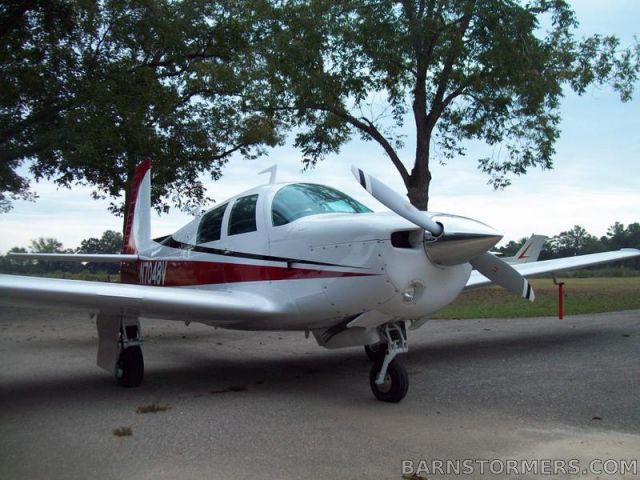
178 273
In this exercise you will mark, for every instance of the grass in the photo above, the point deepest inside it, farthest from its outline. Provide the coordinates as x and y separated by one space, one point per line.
581 295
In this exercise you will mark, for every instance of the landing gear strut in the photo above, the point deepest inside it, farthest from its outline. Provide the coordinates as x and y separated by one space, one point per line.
388 378
130 367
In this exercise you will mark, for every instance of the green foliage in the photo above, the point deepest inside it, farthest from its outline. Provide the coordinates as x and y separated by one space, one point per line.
46 245
89 89
459 70
575 241
511 248
110 242
578 241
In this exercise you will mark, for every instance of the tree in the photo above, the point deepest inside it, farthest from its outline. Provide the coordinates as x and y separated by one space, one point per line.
459 70
618 237
46 245
576 241
89 89
512 247
110 242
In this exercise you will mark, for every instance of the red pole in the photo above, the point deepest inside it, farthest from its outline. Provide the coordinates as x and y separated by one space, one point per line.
560 298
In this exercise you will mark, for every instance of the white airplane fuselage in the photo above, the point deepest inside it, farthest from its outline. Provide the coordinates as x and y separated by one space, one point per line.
323 268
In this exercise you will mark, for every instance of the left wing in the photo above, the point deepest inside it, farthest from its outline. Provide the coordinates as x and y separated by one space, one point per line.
172 303
558 265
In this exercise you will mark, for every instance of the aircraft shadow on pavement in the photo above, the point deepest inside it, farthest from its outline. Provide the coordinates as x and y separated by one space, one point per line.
332 374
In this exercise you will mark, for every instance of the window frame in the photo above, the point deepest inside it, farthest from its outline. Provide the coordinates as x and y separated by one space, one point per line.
210 213
255 215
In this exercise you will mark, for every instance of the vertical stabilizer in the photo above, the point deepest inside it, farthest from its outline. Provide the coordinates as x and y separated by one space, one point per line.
137 230
530 251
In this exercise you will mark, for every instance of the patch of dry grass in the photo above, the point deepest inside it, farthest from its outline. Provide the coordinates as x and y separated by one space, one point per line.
154 407
122 432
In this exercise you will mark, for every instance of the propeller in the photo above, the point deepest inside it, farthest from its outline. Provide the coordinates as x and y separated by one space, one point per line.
500 272
396 203
458 241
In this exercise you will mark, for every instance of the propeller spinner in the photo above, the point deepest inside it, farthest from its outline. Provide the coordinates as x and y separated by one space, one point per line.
451 240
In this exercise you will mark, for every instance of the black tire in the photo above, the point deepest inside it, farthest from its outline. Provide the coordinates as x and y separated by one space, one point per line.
396 383
130 369
376 352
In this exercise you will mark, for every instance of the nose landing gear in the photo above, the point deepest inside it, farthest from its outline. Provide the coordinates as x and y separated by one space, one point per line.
388 378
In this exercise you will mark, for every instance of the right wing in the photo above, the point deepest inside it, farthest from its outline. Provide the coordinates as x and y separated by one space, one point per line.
172 303
558 265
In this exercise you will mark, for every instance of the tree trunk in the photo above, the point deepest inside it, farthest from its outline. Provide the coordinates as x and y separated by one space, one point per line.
418 188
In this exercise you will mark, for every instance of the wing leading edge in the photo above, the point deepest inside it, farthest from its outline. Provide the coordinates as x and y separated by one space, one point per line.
171 303
558 265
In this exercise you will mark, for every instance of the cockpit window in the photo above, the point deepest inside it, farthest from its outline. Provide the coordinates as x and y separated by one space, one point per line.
243 215
211 225
303 199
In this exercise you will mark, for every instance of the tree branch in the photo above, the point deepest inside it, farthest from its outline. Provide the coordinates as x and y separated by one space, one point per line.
438 105
369 128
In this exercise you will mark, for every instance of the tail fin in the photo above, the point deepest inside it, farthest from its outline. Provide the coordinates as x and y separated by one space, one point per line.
137 230
530 251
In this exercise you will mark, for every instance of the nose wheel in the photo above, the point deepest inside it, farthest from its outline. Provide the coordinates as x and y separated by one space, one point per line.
395 384
388 378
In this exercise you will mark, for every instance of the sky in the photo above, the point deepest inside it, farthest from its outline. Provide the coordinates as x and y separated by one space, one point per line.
595 181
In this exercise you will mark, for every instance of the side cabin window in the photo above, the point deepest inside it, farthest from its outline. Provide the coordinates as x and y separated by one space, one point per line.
211 225
243 215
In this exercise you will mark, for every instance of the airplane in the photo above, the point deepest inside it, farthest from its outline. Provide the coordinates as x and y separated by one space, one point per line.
289 256
529 252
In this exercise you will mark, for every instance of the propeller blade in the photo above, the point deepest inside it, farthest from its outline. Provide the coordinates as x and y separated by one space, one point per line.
395 202
500 272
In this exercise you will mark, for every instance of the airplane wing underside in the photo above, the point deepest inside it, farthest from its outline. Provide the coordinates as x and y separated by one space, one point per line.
558 265
171 303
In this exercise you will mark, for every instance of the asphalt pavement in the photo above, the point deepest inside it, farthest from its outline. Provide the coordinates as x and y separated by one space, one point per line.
244 405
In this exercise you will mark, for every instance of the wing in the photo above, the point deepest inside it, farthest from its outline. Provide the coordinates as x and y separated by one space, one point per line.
210 306
558 265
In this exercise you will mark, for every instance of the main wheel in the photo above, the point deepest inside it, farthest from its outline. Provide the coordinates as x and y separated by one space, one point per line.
376 352
130 368
396 382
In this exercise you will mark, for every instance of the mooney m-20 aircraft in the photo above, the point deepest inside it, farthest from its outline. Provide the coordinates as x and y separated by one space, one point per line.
290 256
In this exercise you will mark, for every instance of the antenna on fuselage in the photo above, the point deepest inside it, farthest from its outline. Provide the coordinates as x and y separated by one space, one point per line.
273 169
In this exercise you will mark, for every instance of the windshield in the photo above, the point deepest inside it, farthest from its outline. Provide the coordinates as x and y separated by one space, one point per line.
303 199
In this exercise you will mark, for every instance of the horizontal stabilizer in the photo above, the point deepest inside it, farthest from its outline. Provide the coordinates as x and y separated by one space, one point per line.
77 257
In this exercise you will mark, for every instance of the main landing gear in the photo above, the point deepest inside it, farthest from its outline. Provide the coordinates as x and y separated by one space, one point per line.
130 367
388 378
119 352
